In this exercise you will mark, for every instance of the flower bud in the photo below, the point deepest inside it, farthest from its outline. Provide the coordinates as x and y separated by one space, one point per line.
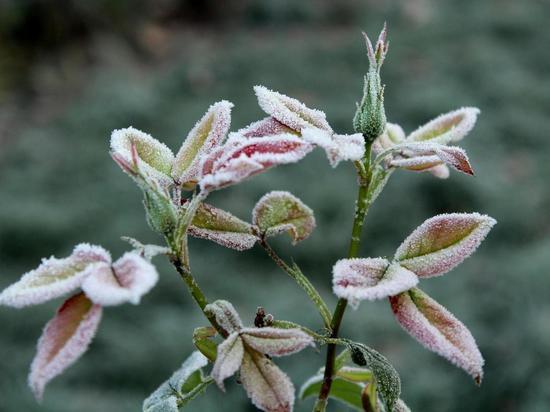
161 212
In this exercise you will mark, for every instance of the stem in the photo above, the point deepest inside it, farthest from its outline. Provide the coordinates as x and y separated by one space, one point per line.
302 281
362 206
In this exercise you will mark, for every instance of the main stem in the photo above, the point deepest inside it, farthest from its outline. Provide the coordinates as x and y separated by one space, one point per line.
362 206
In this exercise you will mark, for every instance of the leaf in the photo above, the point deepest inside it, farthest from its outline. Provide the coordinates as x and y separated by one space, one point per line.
393 135
290 112
226 315
401 406
269 388
182 387
201 340
54 277
208 133
229 358
127 280
278 212
370 279
442 242
387 378
349 393
438 330
147 251
338 147
276 342
154 158
241 158
222 228
64 339
447 128
354 374
268 126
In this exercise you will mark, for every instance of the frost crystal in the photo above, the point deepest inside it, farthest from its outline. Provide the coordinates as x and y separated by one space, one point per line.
64 339
208 133
278 212
54 277
338 147
370 279
290 112
443 242
438 330
244 158
128 280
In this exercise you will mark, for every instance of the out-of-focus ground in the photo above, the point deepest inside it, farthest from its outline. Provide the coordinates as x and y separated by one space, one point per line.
74 71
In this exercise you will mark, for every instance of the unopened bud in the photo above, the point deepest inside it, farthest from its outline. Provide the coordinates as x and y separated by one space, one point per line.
161 212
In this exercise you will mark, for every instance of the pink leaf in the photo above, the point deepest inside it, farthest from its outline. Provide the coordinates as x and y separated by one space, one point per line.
276 342
338 147
128 280
226 315
248 157
447 128
208 133
370 279
54 277
268 126
392 136
65 338
289 111
269 388
229 358
443 242
438 330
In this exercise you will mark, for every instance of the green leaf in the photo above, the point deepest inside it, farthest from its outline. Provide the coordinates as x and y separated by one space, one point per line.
387 378
278 212
183 386
342 390
201 340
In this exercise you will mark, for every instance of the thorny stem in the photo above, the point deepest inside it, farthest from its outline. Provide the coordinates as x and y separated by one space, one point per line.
362 206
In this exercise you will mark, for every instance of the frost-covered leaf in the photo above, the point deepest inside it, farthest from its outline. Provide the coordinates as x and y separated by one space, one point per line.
228 359
427 156
226 315
201 340
349 393
64 339
446 128
338 147
387 378
239 159
278 212
154 158
401 406
443 242
354 374
276 342
269 388
268 126
438 330
393 135
183 386
222 227
129 278
209 132
289 111
370 279
54 277
147 251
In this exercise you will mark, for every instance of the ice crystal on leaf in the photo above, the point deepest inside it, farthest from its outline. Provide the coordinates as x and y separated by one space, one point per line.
208 133
370 279
64 339
438 330
268 126
239 159
245 349
443 242
338 147
289 111
447 128
278 212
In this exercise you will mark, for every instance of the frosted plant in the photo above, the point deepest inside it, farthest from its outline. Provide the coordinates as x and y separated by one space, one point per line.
175 189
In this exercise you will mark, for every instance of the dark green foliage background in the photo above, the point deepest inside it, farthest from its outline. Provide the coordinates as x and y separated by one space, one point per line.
72 74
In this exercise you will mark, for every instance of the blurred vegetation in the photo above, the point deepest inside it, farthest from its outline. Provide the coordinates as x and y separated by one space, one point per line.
71 74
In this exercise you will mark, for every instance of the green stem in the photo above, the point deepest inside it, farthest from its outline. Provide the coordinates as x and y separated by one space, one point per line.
361 209
302 281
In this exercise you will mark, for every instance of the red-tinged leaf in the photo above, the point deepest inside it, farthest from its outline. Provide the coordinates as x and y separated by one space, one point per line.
438 330
229 358
54 277
443 242
130 277
208 133
243 158
268 126
456 158
370 279
269 388
65 338
446 128
276 342
338 147
290 112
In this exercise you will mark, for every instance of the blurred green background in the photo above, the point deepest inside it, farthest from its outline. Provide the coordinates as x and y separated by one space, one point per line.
73 71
